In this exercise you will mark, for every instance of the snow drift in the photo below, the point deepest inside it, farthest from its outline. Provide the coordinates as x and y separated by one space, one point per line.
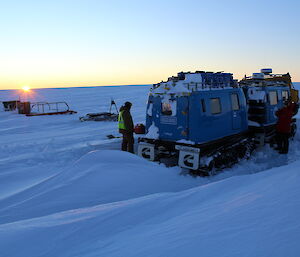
98 177
251 215
66 190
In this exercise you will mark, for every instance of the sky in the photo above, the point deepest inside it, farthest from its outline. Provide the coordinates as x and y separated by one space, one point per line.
94 43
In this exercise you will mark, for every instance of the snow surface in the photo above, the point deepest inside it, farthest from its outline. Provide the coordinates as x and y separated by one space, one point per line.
67 190
192 82
153 132
184 141
253 123
150 109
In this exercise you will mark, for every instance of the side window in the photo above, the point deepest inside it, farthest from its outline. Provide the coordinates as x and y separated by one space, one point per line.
166 109
273 97
285 95
203 105
215 105
235 102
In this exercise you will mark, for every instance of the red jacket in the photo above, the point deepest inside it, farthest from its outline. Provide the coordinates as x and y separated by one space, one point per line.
285 118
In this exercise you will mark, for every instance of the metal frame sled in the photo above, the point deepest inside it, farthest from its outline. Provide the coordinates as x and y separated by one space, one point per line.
102 116
45 108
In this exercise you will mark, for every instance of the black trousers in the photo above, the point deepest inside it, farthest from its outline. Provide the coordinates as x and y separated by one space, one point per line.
128 141
283 142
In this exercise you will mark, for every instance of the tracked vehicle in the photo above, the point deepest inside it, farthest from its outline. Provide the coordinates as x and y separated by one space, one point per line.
266 93
201 120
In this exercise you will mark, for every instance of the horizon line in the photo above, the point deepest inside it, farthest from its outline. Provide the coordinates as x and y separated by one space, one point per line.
129 85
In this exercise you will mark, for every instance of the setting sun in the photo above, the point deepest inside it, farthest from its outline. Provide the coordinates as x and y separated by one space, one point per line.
26 88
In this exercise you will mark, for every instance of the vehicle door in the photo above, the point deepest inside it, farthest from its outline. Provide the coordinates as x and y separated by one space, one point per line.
174 118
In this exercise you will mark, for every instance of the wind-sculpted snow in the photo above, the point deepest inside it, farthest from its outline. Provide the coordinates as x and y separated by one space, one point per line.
35 148
67 190
98 177
251 215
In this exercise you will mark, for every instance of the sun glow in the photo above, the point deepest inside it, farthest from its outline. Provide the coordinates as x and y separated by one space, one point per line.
26 88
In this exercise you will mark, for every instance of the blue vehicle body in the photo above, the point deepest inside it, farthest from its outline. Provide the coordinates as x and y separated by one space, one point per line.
264 110
194 120
208 120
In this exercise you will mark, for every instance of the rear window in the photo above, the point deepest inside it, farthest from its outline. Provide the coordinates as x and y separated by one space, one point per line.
215 105
273 97
166 109
235 102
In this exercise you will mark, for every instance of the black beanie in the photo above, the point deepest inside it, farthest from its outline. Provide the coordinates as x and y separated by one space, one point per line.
127 104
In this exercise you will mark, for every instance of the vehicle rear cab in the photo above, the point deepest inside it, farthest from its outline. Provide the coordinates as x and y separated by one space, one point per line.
265 93
188 114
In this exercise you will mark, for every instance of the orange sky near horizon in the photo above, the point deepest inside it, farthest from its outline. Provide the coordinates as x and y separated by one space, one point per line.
108 80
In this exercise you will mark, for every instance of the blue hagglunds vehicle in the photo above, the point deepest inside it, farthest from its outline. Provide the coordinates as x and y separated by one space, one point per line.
201 120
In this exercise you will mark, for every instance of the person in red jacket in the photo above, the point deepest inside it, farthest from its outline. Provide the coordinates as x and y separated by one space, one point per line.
283 126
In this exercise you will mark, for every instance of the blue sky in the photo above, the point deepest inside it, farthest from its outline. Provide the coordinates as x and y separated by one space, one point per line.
89 43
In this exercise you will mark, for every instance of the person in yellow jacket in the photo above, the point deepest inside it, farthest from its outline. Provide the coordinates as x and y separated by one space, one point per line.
126 127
